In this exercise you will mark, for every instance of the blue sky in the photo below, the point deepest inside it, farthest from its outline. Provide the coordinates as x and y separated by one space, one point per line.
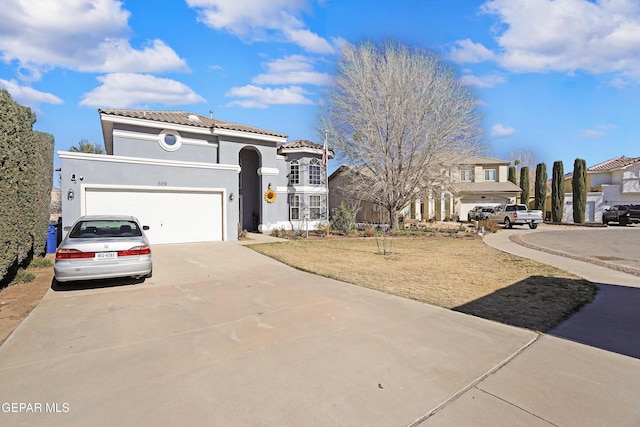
558 78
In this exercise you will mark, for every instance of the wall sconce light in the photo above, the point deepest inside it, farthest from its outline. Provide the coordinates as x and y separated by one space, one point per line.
70 195
231 197
269 186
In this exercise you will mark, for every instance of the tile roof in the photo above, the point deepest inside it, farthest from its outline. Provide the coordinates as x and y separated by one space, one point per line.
188 119
617 163
303 143
478 160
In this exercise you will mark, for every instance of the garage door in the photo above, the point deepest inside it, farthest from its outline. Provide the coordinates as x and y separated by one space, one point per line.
173 216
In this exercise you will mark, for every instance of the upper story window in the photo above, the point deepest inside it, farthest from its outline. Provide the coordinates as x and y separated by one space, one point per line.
466 175
169 140
314 172
489 174
294 172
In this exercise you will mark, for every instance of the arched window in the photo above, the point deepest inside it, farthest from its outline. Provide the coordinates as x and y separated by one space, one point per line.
314 172
294 172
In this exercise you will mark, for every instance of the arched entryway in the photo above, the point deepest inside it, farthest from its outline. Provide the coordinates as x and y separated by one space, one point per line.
249 189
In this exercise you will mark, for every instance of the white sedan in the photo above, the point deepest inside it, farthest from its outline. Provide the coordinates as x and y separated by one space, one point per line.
103 247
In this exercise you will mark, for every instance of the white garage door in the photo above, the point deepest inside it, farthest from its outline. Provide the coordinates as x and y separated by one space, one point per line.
173 216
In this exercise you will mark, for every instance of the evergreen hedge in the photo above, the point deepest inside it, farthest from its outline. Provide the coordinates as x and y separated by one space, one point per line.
26 178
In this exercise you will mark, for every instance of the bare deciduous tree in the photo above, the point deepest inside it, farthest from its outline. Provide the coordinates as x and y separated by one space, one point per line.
403 118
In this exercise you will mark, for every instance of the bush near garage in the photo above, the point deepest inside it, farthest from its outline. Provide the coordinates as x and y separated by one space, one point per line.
26 178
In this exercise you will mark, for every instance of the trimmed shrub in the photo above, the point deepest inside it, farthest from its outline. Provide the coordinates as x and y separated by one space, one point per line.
26 175
343 218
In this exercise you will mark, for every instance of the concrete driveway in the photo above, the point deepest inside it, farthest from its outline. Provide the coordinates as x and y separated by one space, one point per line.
224 336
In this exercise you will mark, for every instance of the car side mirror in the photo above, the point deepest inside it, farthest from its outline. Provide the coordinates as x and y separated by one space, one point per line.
67 228
145 227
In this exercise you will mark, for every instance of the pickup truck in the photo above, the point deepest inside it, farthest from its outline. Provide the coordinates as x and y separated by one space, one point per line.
511 215
622 214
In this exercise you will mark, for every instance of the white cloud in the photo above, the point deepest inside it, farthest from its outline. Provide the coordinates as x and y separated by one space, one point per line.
84 35
294 69
596 36
259 20
500 131
467 51
592 133
600 36
482 81
257 97
598 131
127 90
25 95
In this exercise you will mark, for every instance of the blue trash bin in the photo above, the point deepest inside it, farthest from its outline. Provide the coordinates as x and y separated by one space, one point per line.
52 239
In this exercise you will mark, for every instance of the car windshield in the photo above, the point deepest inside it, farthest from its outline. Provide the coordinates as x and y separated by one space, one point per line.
105 228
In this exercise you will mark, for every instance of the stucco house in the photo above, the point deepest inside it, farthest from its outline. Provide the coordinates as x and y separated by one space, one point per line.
193 178
612 182
477 181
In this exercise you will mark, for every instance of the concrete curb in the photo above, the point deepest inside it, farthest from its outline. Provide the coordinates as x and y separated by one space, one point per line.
628 270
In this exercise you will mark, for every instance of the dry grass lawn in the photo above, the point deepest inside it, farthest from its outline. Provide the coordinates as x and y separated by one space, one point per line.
460 273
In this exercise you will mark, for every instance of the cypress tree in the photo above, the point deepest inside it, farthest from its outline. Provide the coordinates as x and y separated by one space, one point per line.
557 191
579 186
524 185
512 175
541 186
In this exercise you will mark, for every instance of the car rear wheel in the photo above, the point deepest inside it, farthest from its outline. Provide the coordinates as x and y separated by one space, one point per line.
507 223
533 225
604 221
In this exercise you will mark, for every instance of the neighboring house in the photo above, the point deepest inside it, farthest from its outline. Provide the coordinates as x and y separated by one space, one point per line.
339 182
482 181
478 181
613 182
191 178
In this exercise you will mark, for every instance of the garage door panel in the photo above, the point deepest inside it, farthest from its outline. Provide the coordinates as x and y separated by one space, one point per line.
173 216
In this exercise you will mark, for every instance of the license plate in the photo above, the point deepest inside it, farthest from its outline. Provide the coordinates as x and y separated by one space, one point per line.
106 255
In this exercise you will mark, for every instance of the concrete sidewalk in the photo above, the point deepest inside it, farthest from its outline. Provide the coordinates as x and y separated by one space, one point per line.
612 320
224 336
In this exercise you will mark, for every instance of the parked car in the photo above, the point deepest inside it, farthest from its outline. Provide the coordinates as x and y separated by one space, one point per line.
512 214
102 247
479 213
622 214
